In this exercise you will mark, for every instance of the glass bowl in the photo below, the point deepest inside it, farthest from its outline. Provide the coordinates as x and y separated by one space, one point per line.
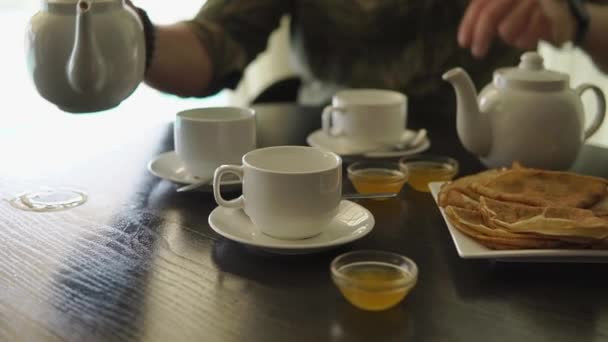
377 176
425 168
374 280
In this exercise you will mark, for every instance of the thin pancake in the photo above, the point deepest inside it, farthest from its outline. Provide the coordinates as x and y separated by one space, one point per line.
458 192
549 221
600 208
457 198
470 222
543 188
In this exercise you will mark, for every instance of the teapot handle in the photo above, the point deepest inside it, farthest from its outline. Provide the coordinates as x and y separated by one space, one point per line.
601 107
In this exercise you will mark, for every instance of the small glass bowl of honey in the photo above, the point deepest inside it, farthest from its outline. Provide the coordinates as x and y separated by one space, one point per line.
374 280
424 169
377 176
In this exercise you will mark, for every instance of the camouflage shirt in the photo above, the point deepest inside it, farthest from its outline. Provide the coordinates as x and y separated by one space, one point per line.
404 45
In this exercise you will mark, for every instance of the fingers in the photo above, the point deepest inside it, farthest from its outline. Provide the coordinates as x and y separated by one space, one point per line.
516 22
520 23
536 30
467 25
486 27
562 22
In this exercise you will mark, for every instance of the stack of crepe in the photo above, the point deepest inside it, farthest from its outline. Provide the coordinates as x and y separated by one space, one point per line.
522 208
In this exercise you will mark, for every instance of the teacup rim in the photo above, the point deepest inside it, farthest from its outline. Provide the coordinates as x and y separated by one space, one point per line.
399 98
335 156
250 113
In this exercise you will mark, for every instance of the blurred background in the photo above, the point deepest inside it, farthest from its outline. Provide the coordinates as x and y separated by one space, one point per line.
148 103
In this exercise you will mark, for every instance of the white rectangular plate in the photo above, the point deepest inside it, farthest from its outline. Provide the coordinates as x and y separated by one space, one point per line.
470 249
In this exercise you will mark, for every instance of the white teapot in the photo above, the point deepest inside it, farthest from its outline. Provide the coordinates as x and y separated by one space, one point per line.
85 55
527 114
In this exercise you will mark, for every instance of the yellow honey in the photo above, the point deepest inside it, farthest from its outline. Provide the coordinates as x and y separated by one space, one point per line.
421 173
374 285
375 180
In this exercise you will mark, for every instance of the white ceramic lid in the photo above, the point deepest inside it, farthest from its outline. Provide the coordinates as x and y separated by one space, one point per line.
530 74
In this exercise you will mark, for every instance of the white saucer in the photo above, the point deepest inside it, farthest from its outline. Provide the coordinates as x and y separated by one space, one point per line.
168 166
344 146
352 222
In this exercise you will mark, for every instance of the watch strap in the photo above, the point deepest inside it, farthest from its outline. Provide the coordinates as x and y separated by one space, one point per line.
149 35
579 11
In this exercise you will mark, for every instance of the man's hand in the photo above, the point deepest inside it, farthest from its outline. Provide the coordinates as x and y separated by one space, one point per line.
520 23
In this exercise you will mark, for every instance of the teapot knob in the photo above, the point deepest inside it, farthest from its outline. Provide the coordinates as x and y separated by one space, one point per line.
531 61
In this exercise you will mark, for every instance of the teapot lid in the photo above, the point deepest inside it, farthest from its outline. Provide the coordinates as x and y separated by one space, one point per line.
530 74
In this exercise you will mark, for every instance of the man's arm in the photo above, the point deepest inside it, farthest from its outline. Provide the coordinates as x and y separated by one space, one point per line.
181 64
596 43
201 56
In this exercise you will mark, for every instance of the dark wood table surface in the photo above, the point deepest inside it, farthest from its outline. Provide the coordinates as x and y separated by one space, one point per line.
139 262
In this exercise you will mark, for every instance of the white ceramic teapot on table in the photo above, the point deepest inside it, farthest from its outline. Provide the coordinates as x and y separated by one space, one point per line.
527 114
85 55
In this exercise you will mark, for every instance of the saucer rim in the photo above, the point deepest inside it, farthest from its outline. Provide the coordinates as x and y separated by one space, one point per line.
167 154
426 144
369 225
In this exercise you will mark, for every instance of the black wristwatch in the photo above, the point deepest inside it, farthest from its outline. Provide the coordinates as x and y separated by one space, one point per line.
580 14
149 35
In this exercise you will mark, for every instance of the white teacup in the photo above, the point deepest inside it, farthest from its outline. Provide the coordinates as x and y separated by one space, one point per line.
371 116
206 138
289 192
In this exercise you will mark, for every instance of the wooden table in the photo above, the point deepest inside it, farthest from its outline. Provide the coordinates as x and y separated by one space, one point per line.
139 262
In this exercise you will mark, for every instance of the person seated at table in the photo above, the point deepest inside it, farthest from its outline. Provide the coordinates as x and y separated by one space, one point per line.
403 45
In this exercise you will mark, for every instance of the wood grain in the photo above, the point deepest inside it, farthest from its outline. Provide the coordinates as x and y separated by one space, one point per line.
138 262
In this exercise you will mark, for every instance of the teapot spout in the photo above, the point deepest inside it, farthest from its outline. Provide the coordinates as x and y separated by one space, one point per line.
86 70
472 124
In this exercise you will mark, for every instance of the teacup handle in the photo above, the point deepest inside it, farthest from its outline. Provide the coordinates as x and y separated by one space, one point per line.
237 170
601 107
327 122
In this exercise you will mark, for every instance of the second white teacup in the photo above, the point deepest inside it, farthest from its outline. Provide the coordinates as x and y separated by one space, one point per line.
206 138
289 192
371 116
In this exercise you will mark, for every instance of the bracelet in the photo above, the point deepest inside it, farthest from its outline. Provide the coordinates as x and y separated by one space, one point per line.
149 35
